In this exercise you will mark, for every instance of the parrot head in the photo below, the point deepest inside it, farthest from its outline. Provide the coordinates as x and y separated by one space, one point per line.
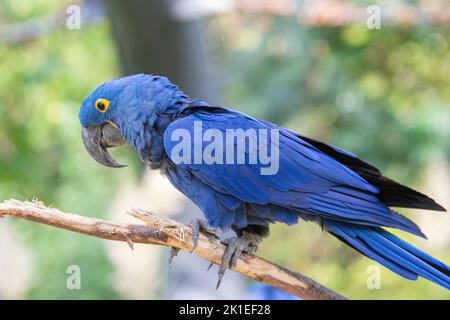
117 112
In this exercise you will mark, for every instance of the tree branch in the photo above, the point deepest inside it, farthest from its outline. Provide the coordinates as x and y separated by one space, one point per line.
166 232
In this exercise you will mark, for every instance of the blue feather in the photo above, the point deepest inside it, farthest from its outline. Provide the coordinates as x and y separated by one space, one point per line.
391 251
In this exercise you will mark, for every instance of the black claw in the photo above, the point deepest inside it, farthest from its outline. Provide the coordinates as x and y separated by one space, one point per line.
222 268
210 266
219 280
173 253
194 244
195 225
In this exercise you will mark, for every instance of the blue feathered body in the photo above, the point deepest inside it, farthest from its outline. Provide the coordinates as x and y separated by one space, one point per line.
315 181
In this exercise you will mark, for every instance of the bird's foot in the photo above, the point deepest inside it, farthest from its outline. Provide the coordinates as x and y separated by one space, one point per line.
235 247
196 226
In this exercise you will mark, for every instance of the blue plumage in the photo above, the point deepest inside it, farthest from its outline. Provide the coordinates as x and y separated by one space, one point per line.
391 251
314 182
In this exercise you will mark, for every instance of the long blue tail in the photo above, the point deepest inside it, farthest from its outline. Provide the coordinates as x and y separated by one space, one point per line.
391 251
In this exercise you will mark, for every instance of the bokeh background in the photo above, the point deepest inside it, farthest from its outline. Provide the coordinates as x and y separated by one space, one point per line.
313 66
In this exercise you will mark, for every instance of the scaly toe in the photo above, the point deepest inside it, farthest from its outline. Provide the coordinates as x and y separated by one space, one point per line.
196 226
235 247
241 247
232 244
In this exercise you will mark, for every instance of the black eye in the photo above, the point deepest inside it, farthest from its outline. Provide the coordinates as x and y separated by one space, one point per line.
101 106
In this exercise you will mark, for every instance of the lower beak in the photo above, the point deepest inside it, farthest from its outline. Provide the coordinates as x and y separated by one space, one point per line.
97 139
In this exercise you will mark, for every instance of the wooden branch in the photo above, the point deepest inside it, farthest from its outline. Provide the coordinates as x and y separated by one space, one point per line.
166 232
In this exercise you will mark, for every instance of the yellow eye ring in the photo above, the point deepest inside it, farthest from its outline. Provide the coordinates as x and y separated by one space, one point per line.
101 105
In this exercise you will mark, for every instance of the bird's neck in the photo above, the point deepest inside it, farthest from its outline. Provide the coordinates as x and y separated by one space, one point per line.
145 131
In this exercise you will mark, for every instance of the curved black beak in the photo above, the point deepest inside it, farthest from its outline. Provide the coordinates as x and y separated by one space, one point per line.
97 139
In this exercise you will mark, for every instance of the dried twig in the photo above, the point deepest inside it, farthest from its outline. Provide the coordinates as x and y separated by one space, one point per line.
166 232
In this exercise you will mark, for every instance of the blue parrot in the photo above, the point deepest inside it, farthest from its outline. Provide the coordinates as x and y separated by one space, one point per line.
311 180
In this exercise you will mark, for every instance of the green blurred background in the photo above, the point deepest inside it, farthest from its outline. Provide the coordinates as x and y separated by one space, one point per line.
384 94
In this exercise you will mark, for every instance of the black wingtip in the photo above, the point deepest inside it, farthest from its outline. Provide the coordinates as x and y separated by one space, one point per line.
391 192
432 206
397 195
438 207
417 201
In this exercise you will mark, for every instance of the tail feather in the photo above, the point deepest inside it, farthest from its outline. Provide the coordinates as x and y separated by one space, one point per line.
391 251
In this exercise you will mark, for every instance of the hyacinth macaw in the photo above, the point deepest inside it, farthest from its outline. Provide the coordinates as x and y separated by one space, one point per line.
315 181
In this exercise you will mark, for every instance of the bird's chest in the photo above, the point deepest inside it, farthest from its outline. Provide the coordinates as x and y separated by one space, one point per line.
154 154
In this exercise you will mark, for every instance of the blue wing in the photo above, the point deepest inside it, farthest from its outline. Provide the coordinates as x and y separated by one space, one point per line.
309 183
